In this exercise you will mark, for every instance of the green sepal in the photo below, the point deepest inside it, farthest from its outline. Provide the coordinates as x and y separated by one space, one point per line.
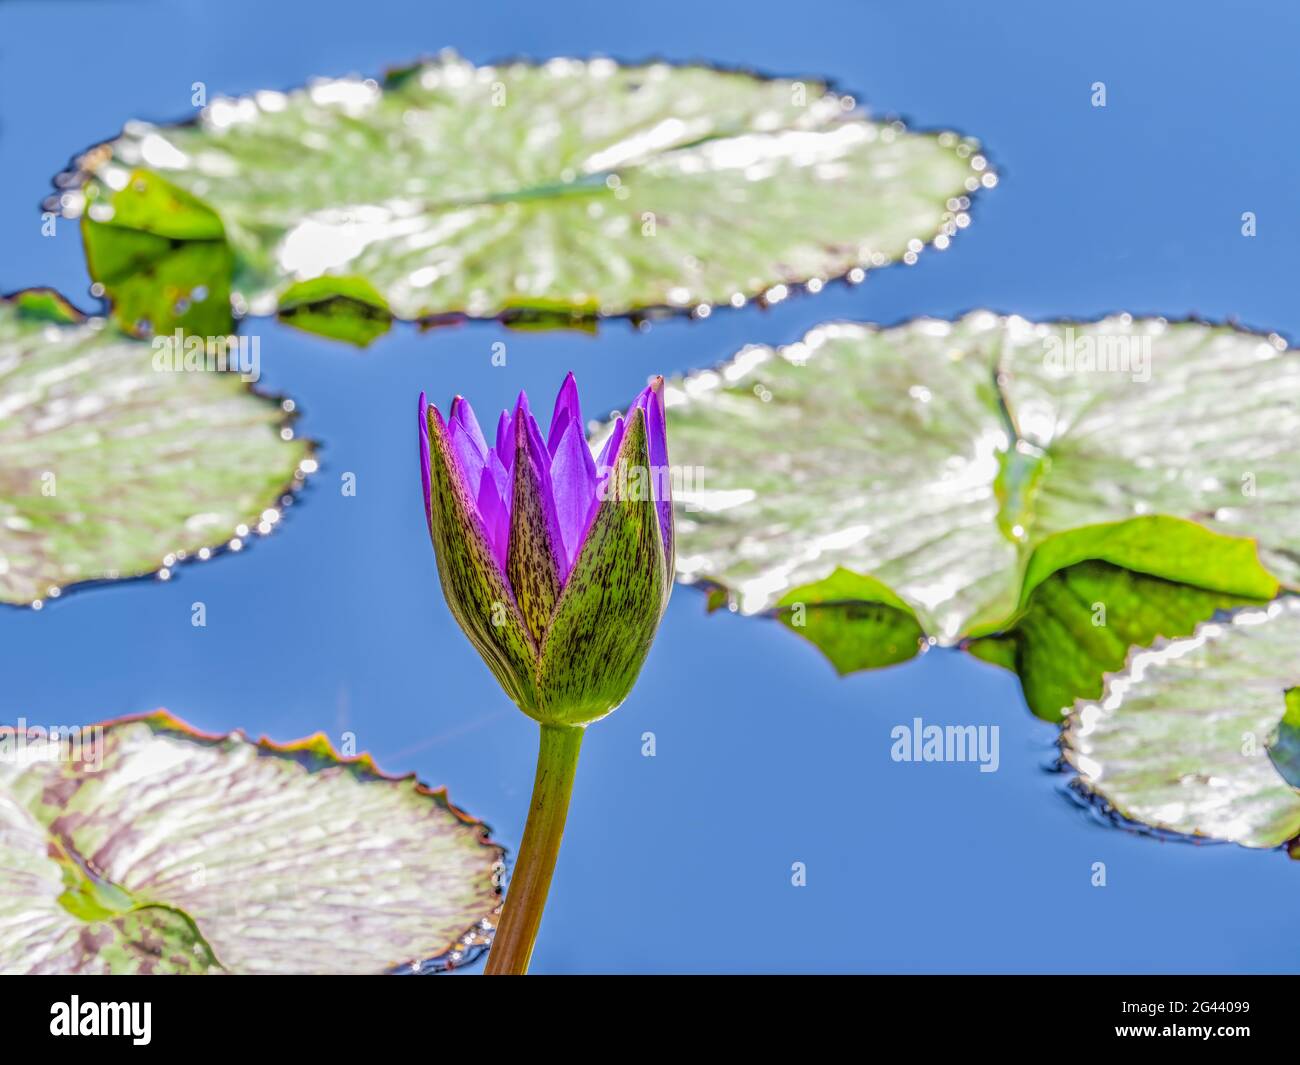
532 560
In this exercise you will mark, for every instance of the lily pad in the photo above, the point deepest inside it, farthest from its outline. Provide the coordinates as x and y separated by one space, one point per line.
563 190
163 258
142 846
342 308
1180 739
936 457
113 463
856 622
1092 593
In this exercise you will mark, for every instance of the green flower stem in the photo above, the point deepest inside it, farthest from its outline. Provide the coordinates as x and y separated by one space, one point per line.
557 762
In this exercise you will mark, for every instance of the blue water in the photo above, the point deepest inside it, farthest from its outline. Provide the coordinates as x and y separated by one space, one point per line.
682 862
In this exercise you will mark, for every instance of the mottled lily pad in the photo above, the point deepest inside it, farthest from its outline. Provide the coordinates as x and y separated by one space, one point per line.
559 191
940 458
113 463
1181 739
144 847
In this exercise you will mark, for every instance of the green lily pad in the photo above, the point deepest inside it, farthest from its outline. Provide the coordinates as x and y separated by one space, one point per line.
114 464
856 622
142 846
342 308
548 193
1092 593
1180 739
965 483
162 257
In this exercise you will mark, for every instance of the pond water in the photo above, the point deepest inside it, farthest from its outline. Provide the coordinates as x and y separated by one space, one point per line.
764 758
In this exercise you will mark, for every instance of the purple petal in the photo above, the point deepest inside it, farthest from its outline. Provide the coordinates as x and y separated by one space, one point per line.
573 478
655 423
468 457
567 408
608 453
496 518
660 472
501 478
522 407
529 446
463 413
466 538
505 445
424 460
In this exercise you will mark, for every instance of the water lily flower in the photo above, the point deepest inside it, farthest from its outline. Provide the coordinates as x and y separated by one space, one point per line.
558 564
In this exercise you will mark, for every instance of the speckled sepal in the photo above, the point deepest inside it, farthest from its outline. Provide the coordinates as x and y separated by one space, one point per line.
533 556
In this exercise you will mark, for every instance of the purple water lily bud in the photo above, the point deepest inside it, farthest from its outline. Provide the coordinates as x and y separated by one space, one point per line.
557 563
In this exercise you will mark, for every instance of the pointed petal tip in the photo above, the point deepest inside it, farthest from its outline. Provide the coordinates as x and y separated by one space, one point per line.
636 418
429 411
657 387
567 408
505 443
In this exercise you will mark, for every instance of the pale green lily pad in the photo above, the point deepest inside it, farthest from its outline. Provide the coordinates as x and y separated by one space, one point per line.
565 190
150 848
1180 739
113 467
936 456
